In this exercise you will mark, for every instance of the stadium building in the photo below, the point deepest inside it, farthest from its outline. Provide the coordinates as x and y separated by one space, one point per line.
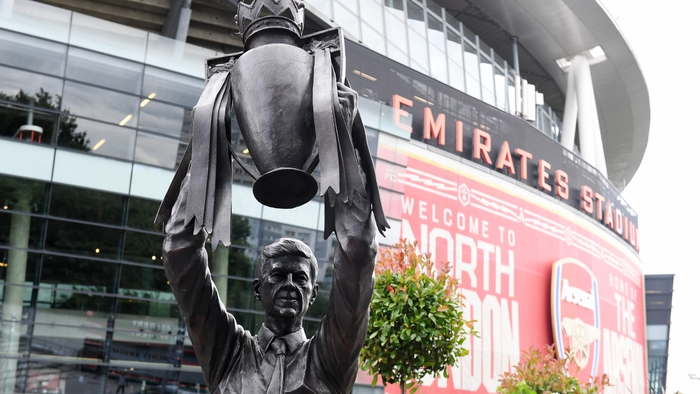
503 133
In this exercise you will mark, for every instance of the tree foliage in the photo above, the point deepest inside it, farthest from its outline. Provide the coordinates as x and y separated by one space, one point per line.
541 372
416 325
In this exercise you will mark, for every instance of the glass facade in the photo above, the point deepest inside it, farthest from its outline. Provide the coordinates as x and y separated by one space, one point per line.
83 293
82 282
422 35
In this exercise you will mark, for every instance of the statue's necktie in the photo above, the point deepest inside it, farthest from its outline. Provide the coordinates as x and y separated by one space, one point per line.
277 381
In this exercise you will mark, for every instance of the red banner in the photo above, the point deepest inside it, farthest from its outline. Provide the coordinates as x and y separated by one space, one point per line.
533 271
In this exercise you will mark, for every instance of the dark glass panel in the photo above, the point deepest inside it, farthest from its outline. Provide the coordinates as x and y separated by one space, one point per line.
78 274
103 70
143 278
395 4
33 262
94 306
415 12
143 248
96 137
320 306
15 121
166 119
85 204
83 239
30 237
145 307
97 103
23 87
20 194
172 87
158 150
238 293
142 213
310 328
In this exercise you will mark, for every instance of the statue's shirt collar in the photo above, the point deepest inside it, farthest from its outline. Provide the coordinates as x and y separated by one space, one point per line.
293 339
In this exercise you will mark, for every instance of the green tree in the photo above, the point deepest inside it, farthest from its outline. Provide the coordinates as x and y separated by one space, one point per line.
541 372
416 325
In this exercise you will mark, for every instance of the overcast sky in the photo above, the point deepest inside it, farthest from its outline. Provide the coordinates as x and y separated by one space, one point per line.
664 192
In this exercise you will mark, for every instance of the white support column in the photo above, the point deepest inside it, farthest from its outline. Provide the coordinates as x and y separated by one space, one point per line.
568 129
581 105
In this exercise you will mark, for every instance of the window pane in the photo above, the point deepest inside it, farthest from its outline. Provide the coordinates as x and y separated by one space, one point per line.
15 118
657 332
320 306
373 39
419 51
438 64
96 137
77 274
371 13
436 34
416 18
397 54
172 87
500 80
471 66
349 21
158 150
103 70
144 307
486 69
396 32
456 75
454 46
349 4
134 280
166 119
24 223
143 248
323 6
101 104
22 86
97 307
142 213
32 53
432 6
22 195
394 4
233 261
452 21
85 204
83 239
235 293
31 263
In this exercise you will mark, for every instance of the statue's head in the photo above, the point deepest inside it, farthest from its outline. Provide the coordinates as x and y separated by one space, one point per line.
285 281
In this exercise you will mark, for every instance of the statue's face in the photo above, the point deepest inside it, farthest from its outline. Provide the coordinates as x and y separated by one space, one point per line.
286 287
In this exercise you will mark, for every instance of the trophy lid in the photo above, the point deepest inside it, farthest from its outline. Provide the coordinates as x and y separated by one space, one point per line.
258 15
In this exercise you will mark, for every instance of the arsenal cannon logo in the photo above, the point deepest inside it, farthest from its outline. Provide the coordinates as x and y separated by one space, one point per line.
576 314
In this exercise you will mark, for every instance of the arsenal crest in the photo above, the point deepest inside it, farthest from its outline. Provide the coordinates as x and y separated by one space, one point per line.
576 314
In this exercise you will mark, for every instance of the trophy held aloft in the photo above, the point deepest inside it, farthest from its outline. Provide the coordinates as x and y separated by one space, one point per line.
295 111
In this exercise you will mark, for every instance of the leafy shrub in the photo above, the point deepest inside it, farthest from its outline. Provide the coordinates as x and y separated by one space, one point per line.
416 325
541 372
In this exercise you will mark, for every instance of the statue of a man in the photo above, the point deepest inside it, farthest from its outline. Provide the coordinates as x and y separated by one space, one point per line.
279 359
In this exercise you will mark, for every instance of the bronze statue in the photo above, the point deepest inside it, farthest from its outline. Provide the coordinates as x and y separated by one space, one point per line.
295 111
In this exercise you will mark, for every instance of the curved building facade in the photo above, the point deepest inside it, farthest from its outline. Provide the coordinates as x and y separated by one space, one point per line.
481 156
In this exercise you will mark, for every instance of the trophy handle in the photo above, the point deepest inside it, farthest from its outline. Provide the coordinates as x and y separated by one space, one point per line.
250 170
